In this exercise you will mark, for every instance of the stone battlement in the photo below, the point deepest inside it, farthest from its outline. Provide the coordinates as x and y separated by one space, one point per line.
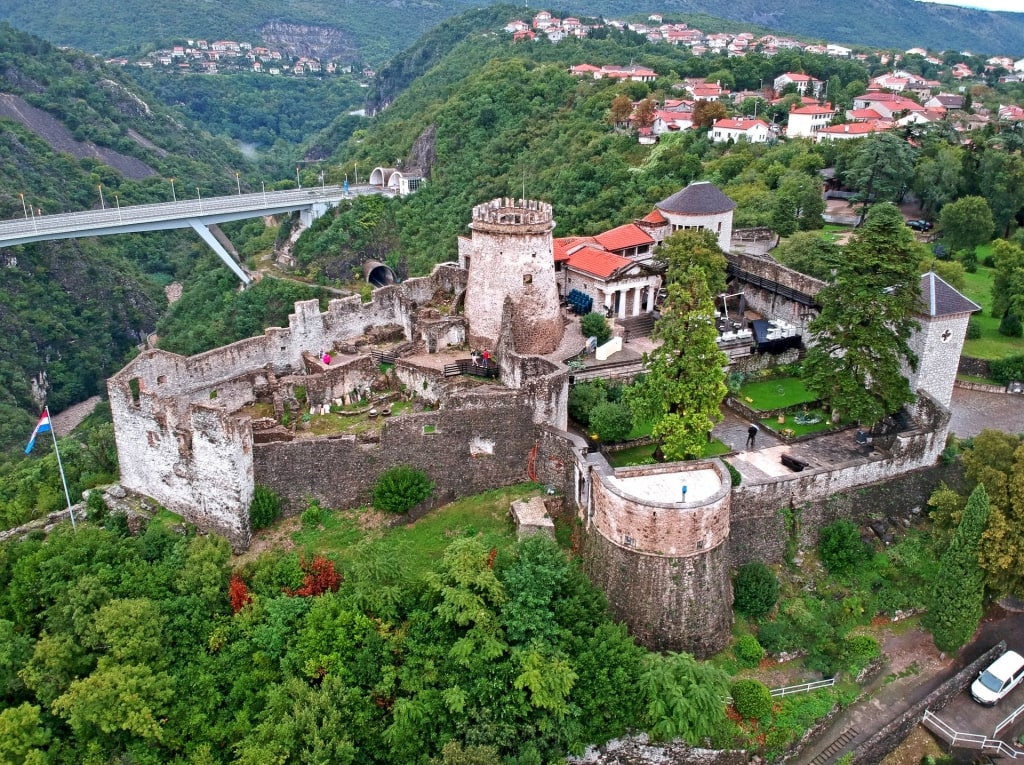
527 215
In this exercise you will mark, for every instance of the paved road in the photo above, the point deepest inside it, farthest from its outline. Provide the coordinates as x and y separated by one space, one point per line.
974 411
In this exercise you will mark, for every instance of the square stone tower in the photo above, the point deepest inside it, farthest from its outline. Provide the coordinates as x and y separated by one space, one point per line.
511 256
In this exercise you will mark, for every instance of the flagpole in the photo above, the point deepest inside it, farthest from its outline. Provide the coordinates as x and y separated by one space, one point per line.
60 465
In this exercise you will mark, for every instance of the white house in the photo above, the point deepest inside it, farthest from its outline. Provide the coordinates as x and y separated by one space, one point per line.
805 85
754 131
806 121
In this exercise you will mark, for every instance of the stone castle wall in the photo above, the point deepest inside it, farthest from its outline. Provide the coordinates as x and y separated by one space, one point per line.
815 498
664 566
481 443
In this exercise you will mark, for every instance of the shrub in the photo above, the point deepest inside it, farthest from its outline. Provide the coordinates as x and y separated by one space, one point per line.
973 329
748 651
313 515
756 589
778 636
858 652
611 422
841 548
751 699
95 507
1008 369
734 475
401 487
1010 326
264 508
595 325
583 398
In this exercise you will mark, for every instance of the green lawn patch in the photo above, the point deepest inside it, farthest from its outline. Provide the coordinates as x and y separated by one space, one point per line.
833 232
991 345
776 394
793 428
422 543
644 455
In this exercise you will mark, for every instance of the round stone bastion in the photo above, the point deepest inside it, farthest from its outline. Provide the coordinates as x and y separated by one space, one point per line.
658 551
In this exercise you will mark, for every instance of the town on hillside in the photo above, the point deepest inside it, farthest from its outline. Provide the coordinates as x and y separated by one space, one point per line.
893 99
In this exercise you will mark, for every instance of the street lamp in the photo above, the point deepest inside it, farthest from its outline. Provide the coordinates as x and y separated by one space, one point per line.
239 184
298 180
103 204
200 198
23 206
117 201
264 185
173 195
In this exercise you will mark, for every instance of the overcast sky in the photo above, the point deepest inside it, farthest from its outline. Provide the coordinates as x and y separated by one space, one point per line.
988 5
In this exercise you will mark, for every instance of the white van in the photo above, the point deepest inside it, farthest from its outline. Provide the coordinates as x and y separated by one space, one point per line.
1001 677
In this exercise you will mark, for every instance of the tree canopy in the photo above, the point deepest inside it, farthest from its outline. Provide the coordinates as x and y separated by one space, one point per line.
861 348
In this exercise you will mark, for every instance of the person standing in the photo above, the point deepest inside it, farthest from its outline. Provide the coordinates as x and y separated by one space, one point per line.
751 435
487 359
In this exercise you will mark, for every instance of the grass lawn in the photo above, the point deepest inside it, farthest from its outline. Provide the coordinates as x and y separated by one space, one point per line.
991 345
644 455
776 394
421 543
833 232
772 423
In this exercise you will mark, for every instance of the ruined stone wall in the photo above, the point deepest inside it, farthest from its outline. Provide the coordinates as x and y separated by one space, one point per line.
482 442
511 256
663 566
195 460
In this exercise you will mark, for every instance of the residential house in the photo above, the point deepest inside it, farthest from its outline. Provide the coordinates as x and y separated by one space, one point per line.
671 121
805 85
888 105
838 51
806 121
852 130
945 101
753 130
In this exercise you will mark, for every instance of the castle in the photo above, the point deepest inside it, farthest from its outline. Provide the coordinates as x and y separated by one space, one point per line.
188 436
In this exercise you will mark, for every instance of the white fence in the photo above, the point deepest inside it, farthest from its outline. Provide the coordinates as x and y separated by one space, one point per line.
968 740
1009 720
791 689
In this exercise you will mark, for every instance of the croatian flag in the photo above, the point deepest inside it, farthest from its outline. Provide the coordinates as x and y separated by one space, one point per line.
43 426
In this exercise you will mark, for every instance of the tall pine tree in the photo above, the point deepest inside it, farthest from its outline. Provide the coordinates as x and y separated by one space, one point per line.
861 338
957 594
685 381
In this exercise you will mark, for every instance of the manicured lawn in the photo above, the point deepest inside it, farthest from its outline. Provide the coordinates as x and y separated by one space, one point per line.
833 232
775 394
644 455
422 543
799 429
991 345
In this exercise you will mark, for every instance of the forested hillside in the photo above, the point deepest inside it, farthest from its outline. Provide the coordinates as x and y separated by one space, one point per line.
375 32
72 310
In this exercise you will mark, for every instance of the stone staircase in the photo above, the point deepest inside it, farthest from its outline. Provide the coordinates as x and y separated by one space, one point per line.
637 326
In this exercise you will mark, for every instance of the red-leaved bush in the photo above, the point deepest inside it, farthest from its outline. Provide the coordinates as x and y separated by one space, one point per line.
238 593
320 578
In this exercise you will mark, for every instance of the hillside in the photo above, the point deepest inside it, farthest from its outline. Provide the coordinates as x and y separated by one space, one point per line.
72 310
363 30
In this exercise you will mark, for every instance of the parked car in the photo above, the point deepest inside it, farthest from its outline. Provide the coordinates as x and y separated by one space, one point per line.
1001 677
920 224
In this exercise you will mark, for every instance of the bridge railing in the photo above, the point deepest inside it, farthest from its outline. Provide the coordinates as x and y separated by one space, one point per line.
115 214
1009 720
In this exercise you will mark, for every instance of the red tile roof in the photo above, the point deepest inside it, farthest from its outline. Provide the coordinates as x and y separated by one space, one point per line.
815 109
623 237
655 217
597 262
564 245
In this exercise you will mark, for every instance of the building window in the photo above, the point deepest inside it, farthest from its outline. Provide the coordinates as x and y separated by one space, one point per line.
527 278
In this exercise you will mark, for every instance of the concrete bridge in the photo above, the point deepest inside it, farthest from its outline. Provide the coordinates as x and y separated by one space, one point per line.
198 214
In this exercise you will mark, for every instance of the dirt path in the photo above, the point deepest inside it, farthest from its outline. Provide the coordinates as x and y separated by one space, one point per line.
72 417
